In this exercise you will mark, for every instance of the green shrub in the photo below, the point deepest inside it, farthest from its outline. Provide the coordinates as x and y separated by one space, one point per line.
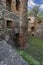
41 62
28 58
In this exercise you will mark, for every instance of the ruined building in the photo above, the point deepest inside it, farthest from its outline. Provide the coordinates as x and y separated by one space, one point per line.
35 27
13 19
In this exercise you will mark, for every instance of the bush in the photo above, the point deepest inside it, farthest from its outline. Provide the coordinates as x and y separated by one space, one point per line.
28 58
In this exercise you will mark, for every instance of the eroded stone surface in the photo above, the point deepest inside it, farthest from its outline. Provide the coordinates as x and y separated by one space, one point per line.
9 56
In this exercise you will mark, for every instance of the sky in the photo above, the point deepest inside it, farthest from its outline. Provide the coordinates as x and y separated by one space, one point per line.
32 3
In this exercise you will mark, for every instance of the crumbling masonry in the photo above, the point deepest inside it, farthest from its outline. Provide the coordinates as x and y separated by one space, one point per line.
13 20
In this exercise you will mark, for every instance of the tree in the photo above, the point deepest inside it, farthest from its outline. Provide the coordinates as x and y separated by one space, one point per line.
35 10
40 17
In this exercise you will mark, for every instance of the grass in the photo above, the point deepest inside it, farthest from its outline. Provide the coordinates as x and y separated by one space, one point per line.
34 53
35 48
37 42
28 58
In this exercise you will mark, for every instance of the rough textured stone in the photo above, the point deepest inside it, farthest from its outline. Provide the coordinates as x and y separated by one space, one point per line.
35 28
9 56
18 17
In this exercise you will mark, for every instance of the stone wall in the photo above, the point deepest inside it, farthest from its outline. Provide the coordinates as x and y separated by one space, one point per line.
37 28
2 28
23 14
18 17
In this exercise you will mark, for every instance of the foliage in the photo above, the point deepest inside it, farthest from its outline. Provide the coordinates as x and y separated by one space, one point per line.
34 11
35 48
28 58
36 42
40 17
